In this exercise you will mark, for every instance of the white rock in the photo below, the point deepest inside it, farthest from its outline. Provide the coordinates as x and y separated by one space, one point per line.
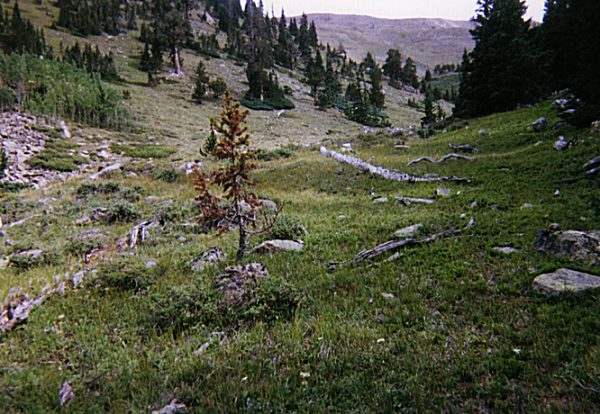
566 281
279 245
506 250
408 231
561 144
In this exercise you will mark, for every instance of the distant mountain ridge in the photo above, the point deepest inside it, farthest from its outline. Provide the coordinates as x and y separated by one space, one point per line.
427 41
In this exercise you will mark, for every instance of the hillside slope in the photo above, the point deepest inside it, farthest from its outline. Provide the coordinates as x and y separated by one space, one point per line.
449 326
427 41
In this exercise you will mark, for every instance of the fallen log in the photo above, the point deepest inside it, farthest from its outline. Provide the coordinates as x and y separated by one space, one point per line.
141 233
464 148
394 245
407 201
444 158
105 170
383 172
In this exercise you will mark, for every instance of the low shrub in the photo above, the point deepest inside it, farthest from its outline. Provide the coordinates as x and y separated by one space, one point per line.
267 300
268 105
143 150
274 154
124 273
168 175
55 156
287 228
118 212
89 189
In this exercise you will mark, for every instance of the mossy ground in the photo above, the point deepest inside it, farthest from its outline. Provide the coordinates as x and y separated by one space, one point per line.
465 333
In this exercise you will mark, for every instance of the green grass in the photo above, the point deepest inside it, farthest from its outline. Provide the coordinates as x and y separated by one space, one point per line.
445 344
55 156
143 150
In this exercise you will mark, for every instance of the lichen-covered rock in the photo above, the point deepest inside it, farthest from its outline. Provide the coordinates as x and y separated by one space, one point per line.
207 258
540 125
272 246
407 231
237 280
571 244
566 281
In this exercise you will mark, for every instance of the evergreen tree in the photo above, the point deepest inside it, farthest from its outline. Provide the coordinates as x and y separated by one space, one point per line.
409 73
315 75
303 39
156 60
368 63
571 37
201 85
501 71
313 38
429 116
376 95
333 88
393 67
146 59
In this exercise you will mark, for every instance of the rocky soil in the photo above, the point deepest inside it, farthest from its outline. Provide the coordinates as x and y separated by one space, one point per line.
24 136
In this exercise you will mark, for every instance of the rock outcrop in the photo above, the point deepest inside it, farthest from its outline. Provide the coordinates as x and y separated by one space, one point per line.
571 244
565 281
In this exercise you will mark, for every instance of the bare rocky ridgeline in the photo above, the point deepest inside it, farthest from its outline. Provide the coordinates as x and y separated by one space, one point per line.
23 137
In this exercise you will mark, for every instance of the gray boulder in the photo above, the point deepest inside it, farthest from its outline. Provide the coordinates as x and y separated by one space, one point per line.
207 258
571 244
592 166
380 200
506 250
442 192
566 281
561 144
407 231
540 125
596 127
272 246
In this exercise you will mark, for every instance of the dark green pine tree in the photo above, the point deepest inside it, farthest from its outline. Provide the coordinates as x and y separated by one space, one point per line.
333 88
571 36
202 81
429 115
376 95
409 73
156 60
502 71
393 67
294 29
303 40
146 59
315 75
284 49
368 63
313 38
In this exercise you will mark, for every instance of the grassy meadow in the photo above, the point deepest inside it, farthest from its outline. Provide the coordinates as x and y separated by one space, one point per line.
452 326
463 332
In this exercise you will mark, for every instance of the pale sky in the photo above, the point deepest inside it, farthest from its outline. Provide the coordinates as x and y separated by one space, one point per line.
392 9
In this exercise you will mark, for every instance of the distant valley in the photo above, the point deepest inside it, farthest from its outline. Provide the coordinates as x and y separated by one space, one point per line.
427 41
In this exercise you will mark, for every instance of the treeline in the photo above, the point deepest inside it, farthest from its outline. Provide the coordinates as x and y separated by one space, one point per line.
34 80
20 35
94 17
515 63
92 60
57 89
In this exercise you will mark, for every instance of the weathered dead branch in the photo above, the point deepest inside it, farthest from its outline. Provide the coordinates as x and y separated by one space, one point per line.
383 172
464 148
444 158
394 245
407 201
